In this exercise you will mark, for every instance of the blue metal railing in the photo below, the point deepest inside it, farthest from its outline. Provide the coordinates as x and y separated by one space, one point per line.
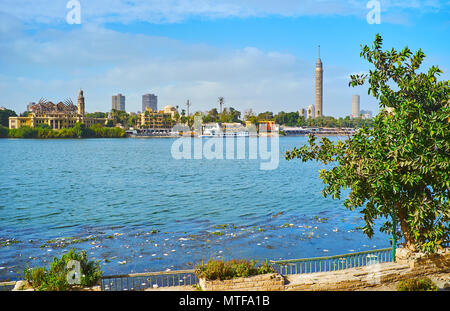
142 281
7 286
332 263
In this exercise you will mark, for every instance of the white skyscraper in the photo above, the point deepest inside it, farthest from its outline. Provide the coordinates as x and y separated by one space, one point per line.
355 106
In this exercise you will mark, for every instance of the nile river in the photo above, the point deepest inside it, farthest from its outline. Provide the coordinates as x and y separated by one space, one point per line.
132 206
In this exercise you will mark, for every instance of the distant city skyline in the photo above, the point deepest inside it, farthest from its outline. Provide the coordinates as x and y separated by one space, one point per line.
259 55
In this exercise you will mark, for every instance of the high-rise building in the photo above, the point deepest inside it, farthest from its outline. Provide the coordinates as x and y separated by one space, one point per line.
150 101
319 88
118 102
311 112
355 106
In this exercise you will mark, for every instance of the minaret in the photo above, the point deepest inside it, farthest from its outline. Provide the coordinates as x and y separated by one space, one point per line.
80 103
319 87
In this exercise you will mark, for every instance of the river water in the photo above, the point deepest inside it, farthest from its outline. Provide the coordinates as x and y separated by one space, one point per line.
130 204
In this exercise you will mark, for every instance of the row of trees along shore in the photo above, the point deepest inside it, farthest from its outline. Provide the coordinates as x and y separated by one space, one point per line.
232 115
228 115
79 130
398 170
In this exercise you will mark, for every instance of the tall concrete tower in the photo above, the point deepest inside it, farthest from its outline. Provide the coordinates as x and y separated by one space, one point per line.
80 103
319 87
355 106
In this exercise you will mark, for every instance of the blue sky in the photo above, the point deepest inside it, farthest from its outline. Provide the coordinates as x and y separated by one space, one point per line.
258 54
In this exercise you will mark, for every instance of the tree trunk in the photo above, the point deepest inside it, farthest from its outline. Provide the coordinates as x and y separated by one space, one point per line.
409 239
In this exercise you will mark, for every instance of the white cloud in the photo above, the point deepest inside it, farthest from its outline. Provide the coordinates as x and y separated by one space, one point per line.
171 11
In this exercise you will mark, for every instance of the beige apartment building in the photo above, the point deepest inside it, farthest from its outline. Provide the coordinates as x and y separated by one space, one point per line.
158 120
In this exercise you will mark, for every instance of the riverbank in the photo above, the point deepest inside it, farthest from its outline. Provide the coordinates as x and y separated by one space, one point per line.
372 277
78 131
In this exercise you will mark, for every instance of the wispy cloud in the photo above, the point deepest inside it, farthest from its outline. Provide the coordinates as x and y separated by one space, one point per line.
105 62
172 11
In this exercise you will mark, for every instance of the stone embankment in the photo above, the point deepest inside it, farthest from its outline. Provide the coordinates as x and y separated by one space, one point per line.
382 276
371 277
408 265
263 282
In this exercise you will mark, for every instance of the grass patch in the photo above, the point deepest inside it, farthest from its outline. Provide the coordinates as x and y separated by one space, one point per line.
226 270
417 284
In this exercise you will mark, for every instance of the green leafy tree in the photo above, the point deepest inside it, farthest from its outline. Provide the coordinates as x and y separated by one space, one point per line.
212 116
97 114
45 126
399 168
23 132
133 120
4 131
120 116
109 123
287 118
265 116
79 129
4 116
230 115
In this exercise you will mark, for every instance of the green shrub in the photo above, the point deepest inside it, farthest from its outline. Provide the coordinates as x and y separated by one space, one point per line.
226 270
36 276
55 279
4 131
418 284
23 132
79 130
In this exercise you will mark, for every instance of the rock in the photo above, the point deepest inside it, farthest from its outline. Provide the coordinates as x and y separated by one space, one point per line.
22 285
403 255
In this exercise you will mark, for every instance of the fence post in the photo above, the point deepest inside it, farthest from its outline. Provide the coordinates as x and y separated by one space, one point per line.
394 233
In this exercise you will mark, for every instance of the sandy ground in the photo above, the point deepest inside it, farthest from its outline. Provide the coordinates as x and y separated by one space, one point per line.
442 280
